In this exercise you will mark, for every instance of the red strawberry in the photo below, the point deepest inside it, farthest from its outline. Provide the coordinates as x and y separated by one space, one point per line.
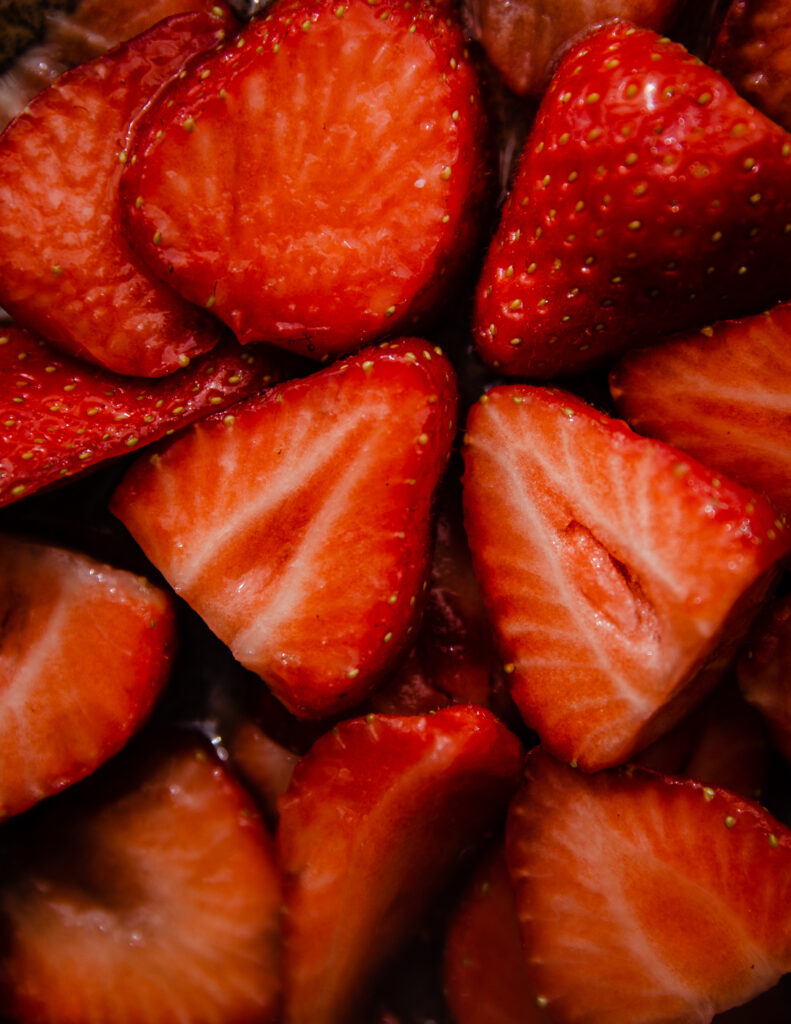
576 527
59 416
720 395
299 527
65 270
765 671
650 198
153 901
373 824
646 898
266 766
316 182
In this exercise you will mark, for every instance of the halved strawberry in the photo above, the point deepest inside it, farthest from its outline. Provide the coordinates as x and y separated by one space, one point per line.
316 183
764 671
153 899
619 574
376 818
646 898
299 528
59 416
650 198
721 395
84 653
65 270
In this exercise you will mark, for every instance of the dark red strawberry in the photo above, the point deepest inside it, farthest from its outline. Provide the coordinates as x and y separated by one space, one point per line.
154 899
650 198
317 182
619 574
765 671
59 416
721 395
646 898
65 270
373 825
299 528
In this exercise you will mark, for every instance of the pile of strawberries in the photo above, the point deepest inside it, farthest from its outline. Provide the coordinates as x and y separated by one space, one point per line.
431 661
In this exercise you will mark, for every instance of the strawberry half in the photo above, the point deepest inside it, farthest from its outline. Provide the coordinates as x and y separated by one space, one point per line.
646 898
650 198
154 899
376 818
65 270
764 671
299 528
317 181
576 525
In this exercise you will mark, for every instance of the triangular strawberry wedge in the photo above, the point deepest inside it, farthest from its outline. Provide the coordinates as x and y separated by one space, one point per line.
85 651
154 899
650 198
646 898
376 818
618 573
316 182
299 527
65 270
722 395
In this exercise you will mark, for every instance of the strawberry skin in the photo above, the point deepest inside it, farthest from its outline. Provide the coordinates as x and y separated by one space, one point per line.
575 526
646 898
650 198
299 528
65 270
59 416
315 183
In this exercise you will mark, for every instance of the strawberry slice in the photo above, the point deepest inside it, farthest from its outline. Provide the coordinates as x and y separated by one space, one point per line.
153 900
646 898
722 396
575 525
650 198
265 765
299 527
373 824
764 671
59 416
65 270
86 649
317 181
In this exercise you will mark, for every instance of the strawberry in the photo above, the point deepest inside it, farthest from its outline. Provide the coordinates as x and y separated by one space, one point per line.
575 525
265 765
86 650
721 396
65 270
317 182
764 671
646 898
154 900
299 527
59 416
650 198
376 817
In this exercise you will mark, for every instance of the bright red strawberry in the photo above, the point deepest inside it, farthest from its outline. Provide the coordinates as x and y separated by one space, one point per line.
65 270
577 528
317 182
153 901
376 818
59 416
646 898
650 198
299 528
722 396
764 671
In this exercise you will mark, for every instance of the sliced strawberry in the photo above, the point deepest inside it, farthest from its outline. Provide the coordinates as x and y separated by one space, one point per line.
650 198
576 525
85 651
65 270
316 182
376 818
722 396
265 765
59 416
153 901
299 528
646 898
765 671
